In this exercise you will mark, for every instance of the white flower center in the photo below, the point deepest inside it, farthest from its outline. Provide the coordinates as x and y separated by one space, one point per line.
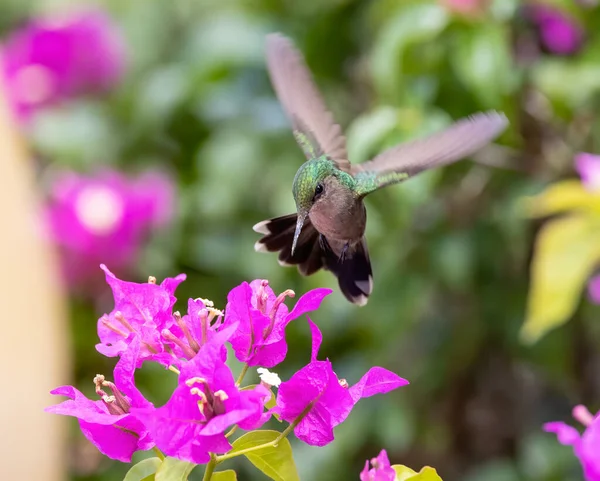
33 84
99 209
268 377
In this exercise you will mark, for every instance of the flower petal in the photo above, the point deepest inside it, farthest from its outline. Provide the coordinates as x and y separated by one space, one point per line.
566 434
310 301
588 167
377 380
317 338
81 407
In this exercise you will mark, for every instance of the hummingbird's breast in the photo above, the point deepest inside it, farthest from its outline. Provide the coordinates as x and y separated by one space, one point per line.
339 214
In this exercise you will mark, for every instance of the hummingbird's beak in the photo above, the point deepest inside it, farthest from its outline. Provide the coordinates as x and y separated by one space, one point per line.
299 223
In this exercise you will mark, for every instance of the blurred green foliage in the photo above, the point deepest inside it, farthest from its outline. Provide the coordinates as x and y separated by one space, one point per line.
450 251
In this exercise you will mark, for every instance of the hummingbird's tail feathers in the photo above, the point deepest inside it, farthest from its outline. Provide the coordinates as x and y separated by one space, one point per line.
278 237
354 273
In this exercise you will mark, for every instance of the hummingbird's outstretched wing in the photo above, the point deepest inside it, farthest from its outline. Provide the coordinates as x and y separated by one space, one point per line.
463 138
314 126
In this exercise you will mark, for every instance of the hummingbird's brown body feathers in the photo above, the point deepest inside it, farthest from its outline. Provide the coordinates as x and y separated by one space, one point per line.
328 229
339 213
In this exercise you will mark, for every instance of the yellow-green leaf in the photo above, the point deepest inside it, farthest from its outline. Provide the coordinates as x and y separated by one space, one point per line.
404 473
228 475
173 469
561 197
144 470
566 251
275 462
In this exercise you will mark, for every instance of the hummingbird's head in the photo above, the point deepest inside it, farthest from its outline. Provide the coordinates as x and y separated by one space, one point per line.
309 186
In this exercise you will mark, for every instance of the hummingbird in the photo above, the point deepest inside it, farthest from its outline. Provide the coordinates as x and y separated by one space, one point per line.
327 230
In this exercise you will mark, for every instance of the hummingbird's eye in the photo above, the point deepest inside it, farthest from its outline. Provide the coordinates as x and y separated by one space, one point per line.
318 191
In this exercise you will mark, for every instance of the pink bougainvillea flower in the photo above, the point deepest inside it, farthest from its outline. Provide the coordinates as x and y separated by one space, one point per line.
587 445
325 401
594 289
380 471
262 317
56 58
108 423
205 403
186 335
104 218
141 311
588 167
558 32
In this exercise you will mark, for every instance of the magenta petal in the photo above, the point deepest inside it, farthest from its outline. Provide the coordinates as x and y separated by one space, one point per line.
335 398
317 338
110 441
310 301
124 375
377 380
270 355
316 429
220 423
116 348
588 167
81 407
565 434
305 386
118 437
588 450
381 470
594 289
364 474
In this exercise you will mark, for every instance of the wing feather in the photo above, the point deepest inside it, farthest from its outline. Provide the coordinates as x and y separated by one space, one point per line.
302 101
460 140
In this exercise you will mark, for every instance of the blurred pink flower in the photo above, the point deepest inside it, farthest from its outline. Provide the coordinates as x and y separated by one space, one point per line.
586 445
465 7
588 168
380 471
558 32
55 58
105 218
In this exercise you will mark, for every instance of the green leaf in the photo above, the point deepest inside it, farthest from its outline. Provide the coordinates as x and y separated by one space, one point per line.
412 24
276 462
571 83
144 470
228 475
482 60
404 473
566 252
174 470
560 197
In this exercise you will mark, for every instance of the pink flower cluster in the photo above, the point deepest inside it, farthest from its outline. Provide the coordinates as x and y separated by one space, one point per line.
207 400
104 217
588 168
584 445
55 58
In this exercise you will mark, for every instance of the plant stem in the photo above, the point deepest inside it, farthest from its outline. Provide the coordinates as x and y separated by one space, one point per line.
159 453
231 431
174 369
242 374
210 467
273 443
